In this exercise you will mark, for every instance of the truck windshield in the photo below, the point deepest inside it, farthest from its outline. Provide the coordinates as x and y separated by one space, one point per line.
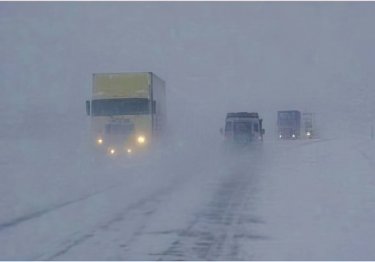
120 106
242 127
287 118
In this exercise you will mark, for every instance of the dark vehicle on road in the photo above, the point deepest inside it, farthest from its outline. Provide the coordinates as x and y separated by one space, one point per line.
308 125
243 128
289 124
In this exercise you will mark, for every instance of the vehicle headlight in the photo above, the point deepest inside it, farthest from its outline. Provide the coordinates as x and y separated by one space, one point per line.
294 136
308 133
280 136
99 141
141 139
129 150
112 151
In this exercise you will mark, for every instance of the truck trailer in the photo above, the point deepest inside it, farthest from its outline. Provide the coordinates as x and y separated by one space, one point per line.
128 111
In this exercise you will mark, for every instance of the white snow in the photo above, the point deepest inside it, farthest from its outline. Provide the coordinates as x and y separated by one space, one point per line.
305 200
286 200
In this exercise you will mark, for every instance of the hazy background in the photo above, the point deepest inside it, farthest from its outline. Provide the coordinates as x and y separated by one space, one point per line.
316 197
215 58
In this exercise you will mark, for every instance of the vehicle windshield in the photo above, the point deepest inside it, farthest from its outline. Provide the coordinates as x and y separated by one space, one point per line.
287 118
308 124
120 106
242 127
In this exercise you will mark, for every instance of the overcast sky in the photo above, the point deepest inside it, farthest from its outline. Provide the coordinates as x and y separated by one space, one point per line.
215 57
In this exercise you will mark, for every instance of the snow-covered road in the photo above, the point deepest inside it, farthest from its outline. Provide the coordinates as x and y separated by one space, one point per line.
287 200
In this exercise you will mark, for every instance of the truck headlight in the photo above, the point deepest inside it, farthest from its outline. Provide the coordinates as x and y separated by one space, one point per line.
141 139
112 151
99 141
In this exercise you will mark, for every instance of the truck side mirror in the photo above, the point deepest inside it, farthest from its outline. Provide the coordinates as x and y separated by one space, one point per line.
221 131
263 131
88 107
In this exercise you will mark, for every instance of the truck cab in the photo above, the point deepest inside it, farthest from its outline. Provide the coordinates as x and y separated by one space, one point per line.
243 128
289 124
308 125
127 112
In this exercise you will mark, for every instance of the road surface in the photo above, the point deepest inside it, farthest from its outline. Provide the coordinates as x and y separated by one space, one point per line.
285 200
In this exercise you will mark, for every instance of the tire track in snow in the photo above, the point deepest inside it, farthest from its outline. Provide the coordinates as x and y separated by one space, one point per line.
37 214
140 211
148 204
215 233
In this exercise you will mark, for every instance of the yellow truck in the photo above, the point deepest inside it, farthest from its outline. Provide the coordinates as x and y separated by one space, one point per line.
128 111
